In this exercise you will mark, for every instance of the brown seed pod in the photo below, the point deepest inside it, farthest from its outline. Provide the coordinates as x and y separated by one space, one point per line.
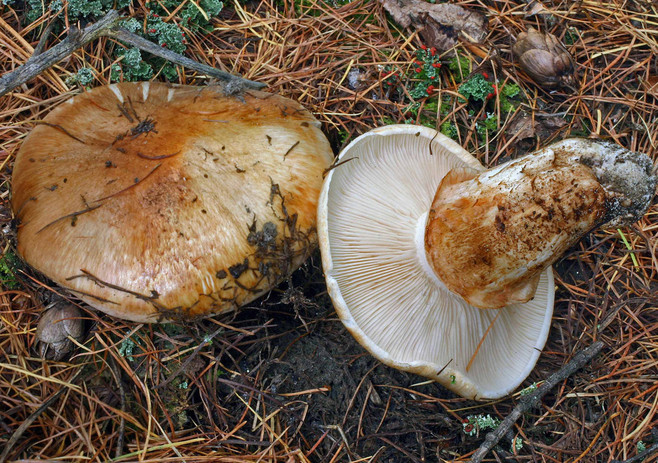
544 58
57 326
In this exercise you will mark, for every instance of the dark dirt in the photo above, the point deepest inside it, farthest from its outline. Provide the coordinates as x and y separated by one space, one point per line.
352 400
363 401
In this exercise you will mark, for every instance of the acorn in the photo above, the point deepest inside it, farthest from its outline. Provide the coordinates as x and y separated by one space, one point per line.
544 58
57 327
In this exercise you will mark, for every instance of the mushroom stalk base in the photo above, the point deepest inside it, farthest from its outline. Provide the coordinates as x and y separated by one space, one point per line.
490 235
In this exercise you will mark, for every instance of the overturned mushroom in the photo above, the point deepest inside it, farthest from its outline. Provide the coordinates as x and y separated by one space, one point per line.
415 234
152 201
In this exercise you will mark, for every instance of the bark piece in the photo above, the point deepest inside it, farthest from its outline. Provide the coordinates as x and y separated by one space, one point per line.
440 25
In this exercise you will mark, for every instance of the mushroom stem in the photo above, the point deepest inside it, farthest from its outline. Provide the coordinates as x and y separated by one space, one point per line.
488 237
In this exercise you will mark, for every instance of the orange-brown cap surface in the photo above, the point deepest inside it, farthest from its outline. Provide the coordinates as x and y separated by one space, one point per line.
152 201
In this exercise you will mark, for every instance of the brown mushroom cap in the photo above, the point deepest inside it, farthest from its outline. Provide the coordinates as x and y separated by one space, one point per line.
152 201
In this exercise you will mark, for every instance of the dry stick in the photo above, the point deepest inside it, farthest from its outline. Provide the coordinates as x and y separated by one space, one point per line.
528 401
233 84
42 61
107 26
44 38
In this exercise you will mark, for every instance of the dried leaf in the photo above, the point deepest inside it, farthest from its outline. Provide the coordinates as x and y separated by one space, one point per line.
524 126
521 127
535 7
440 25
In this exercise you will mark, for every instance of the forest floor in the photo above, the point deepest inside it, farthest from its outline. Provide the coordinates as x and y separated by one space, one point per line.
282 379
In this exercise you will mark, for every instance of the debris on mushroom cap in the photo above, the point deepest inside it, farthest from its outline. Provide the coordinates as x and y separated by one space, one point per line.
152 201
57 326
544 58
371 224
489 236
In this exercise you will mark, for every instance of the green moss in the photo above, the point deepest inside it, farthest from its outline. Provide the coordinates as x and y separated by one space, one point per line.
460 66
9 265
507 93
490 124
126 349
510 90
132 67
199 17
84 77
449 130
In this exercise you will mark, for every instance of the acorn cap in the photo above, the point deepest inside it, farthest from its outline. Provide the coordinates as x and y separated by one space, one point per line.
152 201
371 224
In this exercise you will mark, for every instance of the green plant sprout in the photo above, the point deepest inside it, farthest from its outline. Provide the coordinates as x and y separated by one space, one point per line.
630 248
9 264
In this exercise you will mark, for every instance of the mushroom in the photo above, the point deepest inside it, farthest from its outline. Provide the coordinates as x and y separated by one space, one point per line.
442 268
59 325
155 202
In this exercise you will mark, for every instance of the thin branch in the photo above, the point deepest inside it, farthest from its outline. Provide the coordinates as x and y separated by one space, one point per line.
234 84
579 360
42 61
107 26
44 38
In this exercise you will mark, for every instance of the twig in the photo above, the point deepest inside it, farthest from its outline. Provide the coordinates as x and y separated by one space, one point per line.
207 340
233 84
528 401
42 61
107 26
44 38
122 395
